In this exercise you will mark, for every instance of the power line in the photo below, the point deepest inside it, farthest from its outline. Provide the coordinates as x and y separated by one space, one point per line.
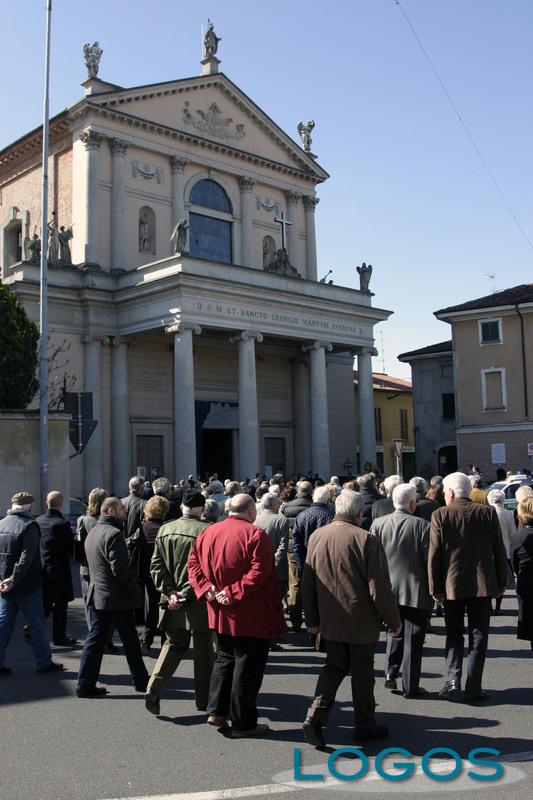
465 127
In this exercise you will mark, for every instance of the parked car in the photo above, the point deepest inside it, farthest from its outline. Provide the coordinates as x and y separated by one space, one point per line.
509 488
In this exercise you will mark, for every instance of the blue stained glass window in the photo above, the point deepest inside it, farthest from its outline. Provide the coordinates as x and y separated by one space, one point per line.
209 194
210 238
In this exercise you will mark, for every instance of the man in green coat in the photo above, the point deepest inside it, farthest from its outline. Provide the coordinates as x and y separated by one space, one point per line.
181 612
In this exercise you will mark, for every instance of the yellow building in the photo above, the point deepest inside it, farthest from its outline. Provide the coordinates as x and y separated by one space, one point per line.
393 410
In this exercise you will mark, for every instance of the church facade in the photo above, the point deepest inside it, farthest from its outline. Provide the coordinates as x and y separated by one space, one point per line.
187 302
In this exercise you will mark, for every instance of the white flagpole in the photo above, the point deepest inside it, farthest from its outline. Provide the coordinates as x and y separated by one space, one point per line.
43 358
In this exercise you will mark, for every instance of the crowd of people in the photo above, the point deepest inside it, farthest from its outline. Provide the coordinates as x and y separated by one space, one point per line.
225 565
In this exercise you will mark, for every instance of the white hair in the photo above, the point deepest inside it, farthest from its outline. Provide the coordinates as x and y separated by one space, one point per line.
321 495
349 504
274 489
522 492
459 483
136 483
270 500
403 495
420 484
495 497
334 479
215 487
391 483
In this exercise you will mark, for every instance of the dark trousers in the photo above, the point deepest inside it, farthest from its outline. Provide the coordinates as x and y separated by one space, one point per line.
93 649
343 658
236 679
405 650
478 613
59 618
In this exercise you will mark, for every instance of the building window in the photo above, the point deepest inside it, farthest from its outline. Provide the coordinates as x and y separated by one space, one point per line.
404 424
379 428
210 222
147 230
448 405
490 331
493 389
269 251
13 242
275 454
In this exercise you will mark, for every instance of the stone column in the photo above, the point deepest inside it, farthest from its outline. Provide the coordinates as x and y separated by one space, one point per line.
365 390
293 198
120 417
310 203
300 406
92 140
246 185
184 410
319 408
177 171
118 155
93 456
249 429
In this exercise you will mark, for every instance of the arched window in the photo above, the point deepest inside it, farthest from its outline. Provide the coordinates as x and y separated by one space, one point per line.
269 251
147 230
210 222
13 242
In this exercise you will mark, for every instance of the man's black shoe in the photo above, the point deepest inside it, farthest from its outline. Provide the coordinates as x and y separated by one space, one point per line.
366 734
390 683
96 691
313 732
67 641
53 667
451 690
151 701
476 698
4 671
141 687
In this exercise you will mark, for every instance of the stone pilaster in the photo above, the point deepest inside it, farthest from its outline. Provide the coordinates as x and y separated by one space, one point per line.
301 415
246 185
120 417
249 428
310 204
184 410
177 172
118 157
93 456
293 200
365 390
320 457
92 141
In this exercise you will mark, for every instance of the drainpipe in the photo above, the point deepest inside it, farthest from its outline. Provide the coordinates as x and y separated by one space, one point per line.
524 367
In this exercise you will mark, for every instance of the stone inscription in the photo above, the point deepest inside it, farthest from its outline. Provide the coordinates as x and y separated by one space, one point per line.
289 320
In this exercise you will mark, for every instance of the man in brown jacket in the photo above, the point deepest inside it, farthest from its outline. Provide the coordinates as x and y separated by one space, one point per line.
346 595
467 566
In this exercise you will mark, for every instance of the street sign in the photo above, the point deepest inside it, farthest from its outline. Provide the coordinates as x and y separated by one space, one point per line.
398 447
530 448
82 425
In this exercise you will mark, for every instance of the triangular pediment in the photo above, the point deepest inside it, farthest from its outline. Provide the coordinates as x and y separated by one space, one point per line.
211 108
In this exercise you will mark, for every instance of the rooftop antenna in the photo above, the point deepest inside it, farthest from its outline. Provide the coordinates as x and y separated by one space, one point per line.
382 353
323 280
493 279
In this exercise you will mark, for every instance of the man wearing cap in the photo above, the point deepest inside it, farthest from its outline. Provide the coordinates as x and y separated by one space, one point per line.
181 613
21 583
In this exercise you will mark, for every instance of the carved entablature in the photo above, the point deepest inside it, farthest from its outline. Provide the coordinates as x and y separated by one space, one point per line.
212 122
147 172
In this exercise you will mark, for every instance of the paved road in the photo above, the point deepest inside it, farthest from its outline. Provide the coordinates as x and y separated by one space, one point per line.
55 746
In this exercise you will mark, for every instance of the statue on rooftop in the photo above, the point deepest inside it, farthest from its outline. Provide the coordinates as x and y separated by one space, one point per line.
365 273
179 236
305 134
92 55
211 40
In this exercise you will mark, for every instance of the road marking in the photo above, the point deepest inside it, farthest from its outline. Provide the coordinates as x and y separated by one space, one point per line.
221 794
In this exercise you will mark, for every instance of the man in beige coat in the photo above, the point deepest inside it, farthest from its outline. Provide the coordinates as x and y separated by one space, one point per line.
346 596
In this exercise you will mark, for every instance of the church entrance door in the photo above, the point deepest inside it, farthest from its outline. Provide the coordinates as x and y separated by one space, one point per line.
217 453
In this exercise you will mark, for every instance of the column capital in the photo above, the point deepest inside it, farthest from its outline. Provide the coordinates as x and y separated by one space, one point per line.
246 336
177 164
118 147
328 347
293 197
91 139
116 341
246 183
310 202
90 338
367 351
181 325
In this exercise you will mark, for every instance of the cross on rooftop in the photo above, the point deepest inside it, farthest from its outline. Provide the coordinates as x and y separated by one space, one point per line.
284 223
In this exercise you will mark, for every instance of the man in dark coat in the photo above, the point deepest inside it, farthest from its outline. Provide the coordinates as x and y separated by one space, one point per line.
112 597
21 582
424 506
385 506
291 509
346 596
369 495
319 513
467 567
134 504
56 548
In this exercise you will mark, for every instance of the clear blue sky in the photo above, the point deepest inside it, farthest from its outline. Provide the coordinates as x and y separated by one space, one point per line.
407 192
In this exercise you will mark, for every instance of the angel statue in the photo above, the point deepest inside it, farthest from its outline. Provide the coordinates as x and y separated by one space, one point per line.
305 134
92 58
211 40
65 235
179 236
53 240
365 273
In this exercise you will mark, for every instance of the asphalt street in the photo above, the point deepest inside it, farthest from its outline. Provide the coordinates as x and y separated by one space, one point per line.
55 746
